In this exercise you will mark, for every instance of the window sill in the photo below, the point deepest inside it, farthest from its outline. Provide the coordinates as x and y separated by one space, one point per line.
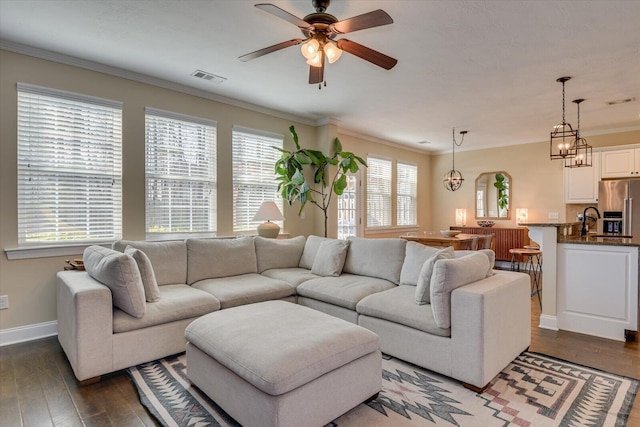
391 230
29 252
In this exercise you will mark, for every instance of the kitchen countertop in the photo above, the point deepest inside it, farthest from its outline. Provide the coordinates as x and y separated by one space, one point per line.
549 224
609 241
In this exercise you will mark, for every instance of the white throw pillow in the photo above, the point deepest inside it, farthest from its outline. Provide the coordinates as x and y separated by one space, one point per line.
449 274
330 258
423 293
278 253
119 272
310 250
416 255
151 291
488 252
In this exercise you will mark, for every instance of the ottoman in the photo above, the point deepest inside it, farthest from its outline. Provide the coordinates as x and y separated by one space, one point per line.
276 363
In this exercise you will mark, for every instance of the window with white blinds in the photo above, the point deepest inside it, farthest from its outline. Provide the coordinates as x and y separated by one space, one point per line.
254 178
407 194
378 192
69 167
180 175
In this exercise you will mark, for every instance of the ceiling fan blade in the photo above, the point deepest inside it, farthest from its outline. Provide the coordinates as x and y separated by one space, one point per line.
376 18
373 56
316 74
283 14
275 47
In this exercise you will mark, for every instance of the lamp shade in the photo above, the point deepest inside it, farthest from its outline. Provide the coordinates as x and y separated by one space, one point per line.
268 211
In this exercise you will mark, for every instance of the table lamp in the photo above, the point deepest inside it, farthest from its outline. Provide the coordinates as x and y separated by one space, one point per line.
268 212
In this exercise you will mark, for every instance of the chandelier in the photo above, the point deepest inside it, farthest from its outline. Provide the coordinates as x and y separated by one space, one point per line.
583 150
317 48
563 137
453 179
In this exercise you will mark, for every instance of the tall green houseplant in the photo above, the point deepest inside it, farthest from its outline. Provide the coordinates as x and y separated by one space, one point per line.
503 191
292 184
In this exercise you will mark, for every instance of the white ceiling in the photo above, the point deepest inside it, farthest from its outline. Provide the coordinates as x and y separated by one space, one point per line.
486 66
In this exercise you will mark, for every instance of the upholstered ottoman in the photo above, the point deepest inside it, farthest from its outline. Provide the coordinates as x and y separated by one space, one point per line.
276 363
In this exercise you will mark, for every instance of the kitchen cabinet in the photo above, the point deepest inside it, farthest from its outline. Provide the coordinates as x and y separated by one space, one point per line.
622 163
581 184
597 289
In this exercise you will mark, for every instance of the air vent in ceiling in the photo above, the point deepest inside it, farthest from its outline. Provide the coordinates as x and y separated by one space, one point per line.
210 77
424 142
621 101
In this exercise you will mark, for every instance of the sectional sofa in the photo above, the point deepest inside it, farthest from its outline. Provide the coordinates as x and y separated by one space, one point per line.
447 311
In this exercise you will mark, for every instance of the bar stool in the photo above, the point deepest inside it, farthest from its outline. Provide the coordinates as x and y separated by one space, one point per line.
532 266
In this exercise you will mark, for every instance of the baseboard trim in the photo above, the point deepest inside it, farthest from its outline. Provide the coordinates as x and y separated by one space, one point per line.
548 322
28 333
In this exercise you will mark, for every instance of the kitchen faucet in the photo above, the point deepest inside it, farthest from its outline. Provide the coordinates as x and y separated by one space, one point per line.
583 232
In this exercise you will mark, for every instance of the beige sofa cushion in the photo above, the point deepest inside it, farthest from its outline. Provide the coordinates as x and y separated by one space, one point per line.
330 258
488 252
381 258
245 289
397 305
344 291
169 259
293 276
213 258
278 253
449 274
416 255
119 272
423 292
310 250
243 340
176 302
151 291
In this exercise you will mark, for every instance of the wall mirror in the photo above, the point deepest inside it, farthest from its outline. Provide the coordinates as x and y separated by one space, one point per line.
493 194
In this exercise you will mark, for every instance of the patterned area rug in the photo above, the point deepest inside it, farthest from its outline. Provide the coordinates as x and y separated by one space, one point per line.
534 390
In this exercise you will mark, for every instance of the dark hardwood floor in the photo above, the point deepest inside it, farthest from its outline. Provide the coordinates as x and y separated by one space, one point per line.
37 386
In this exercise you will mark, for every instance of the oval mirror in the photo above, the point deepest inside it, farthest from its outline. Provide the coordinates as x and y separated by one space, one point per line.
493 192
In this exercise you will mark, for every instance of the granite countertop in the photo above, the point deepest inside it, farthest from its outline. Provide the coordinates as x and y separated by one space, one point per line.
549 224
609 241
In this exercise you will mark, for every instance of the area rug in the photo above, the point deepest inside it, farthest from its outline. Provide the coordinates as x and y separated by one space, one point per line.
534 390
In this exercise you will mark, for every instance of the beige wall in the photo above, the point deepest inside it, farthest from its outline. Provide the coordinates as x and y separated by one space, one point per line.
537 181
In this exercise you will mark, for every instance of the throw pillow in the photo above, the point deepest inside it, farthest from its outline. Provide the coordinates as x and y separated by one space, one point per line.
414 259
449 274
488 252
381 258
330 258
310 250
119 272
278 253
169 259
423 293
151 291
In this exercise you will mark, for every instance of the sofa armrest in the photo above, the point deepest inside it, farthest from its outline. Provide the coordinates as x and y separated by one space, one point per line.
85 323
490 325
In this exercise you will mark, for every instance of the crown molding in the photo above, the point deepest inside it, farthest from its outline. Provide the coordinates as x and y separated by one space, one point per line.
143 78
376 140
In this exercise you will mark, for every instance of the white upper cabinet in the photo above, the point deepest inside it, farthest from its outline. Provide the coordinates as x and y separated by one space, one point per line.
623 163
581 184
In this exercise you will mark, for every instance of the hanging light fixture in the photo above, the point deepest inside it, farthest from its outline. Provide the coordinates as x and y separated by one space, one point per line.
563 137
584 154
453 179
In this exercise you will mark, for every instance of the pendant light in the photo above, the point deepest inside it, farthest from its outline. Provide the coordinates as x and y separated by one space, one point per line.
563 137
584 154
453 179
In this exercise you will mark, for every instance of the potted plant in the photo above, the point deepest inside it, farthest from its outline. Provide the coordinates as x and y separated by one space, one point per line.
503 191
293 185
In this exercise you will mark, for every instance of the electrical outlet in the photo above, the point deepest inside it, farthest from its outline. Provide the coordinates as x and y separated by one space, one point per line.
553 216
4 302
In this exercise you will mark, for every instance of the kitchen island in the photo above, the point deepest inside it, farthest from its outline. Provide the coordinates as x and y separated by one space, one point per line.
590 284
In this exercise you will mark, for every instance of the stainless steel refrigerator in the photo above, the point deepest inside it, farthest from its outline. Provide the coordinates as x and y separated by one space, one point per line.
620 216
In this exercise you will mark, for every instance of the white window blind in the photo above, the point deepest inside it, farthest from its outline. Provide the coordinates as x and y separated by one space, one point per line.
254 178
180 175
348 209
69 167
378 192
407 194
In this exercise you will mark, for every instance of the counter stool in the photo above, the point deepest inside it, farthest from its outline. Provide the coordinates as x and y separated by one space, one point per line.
532 266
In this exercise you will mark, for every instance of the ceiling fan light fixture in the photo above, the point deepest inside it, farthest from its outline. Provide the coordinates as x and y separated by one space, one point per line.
332 51
310 49
316 60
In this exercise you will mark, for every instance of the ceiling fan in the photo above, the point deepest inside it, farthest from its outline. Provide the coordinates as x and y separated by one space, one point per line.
320 29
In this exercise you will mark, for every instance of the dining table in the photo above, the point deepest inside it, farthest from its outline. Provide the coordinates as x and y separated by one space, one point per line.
437 239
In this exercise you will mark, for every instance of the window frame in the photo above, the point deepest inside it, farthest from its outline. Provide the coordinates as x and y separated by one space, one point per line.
371 160
412 195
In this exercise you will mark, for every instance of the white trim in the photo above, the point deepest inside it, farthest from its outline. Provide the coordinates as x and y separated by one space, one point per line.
28 333
29 252
70 96
548 322
137 77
